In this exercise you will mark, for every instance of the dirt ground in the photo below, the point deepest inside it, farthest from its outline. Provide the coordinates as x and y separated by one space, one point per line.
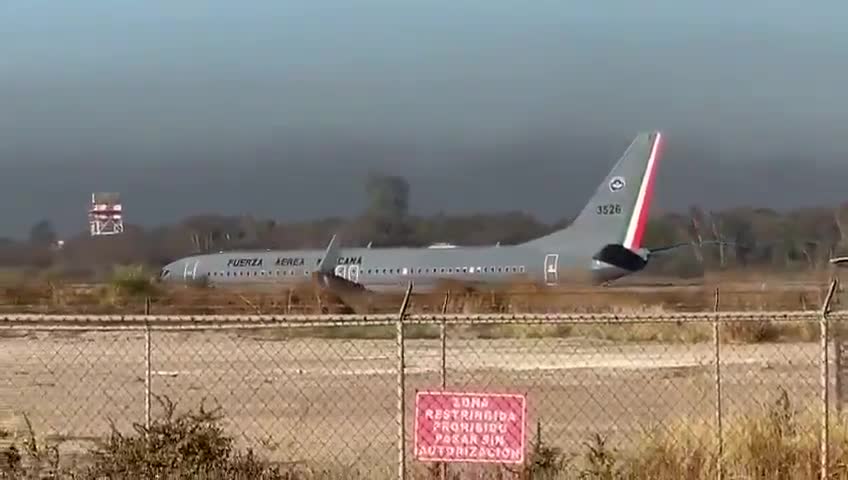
333 402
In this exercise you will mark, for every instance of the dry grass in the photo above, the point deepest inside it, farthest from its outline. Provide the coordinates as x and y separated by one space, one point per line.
126 292
774 443
130 287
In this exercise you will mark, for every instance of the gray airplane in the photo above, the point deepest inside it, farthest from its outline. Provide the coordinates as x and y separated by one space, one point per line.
603 243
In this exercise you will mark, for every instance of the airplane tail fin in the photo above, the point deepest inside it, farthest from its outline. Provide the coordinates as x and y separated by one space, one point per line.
618 211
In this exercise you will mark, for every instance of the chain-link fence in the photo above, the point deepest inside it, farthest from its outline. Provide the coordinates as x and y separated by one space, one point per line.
684 395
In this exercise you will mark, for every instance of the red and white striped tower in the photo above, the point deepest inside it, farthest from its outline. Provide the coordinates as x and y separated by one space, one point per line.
105 216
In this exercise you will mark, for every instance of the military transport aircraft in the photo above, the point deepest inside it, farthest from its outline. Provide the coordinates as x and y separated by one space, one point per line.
602 244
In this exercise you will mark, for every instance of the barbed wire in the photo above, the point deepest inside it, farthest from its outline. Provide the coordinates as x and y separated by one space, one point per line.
330 320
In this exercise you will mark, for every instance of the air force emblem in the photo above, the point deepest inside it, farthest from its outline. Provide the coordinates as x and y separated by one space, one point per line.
616 184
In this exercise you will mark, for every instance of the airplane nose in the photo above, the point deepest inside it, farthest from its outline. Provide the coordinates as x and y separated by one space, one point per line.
168 272
163 274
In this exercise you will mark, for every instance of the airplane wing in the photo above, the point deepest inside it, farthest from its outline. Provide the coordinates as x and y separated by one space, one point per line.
327 263
326 273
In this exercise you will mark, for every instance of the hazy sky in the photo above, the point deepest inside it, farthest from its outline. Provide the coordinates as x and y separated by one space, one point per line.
279 108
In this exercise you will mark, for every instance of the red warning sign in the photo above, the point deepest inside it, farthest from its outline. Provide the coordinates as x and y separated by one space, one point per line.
470 427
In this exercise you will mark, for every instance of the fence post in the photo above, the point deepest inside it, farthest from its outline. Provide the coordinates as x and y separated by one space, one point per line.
838 351
401 381
147 363
824 323
718 419
837 337
289 301
443 337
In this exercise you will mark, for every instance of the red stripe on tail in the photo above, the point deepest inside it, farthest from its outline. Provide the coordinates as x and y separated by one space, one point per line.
642 221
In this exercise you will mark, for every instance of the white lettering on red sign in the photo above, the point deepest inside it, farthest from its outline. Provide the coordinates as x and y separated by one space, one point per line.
470 427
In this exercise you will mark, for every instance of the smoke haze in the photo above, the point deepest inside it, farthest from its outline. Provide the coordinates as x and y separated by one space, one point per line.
281 108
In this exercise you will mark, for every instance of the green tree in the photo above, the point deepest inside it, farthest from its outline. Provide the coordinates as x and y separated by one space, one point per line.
386 220
42 234
388 196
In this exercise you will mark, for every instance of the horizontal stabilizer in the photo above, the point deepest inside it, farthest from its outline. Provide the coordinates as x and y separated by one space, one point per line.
839 261
622 257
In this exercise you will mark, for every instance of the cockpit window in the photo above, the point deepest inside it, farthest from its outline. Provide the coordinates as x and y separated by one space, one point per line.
165 273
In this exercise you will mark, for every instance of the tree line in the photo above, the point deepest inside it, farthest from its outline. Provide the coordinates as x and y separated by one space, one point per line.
759 238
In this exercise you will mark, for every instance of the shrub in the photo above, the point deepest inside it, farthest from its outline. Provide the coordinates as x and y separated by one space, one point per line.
132 281
190 445
187 446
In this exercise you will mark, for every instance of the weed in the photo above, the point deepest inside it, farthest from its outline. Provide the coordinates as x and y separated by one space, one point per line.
133 282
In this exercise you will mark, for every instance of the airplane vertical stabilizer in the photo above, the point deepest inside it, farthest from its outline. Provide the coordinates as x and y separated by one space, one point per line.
618 211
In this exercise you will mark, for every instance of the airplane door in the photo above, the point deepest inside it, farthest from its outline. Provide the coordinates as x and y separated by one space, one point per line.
353 273
551 269
190 270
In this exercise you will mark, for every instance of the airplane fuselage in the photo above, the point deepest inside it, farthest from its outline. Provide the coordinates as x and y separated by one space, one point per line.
383 269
